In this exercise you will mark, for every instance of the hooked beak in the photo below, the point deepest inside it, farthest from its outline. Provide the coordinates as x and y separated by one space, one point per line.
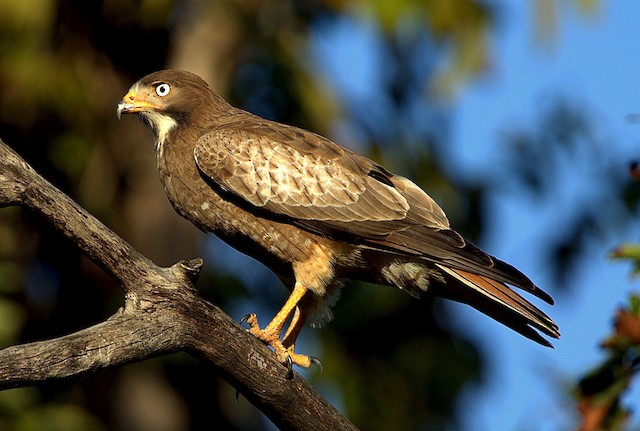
131 103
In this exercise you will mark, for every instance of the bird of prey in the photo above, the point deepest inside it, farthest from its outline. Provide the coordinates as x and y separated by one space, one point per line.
314 213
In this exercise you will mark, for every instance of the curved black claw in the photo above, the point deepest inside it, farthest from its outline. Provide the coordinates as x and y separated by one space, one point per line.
289 366
237 396
315 361
245 318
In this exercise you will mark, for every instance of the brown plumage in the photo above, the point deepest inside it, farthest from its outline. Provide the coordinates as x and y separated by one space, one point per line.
314 212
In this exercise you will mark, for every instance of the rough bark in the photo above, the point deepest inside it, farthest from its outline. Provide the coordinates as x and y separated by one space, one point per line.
162 313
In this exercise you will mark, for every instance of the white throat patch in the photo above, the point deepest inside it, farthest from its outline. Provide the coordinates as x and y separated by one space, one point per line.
162 124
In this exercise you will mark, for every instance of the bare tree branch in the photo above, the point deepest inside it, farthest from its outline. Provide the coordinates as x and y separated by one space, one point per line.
162 313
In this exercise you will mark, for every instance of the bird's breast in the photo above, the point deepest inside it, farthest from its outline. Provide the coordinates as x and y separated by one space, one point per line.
280 246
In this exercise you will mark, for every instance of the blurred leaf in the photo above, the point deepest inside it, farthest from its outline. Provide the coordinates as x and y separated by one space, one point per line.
12 317
629 251
57 417
26 15
69 153
547 11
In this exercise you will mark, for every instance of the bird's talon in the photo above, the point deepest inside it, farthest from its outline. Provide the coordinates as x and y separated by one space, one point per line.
252 321
245 318
289 365
315 361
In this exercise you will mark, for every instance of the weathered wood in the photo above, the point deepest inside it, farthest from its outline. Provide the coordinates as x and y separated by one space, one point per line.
162 313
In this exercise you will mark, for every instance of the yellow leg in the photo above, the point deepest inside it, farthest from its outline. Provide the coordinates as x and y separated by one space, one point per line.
277 323
297 322
270 335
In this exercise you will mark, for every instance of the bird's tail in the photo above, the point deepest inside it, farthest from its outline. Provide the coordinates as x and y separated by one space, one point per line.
498 301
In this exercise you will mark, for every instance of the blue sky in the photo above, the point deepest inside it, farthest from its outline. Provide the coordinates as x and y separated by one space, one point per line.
592 60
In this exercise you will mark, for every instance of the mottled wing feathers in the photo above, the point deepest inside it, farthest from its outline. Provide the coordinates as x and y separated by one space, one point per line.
315 184
301 176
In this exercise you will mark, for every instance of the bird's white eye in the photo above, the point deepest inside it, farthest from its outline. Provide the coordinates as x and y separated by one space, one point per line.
163 89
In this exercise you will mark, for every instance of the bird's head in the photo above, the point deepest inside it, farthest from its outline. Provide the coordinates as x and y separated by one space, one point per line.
167 99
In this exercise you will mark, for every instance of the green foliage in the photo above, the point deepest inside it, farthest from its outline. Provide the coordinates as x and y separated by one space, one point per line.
630 252
21 410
